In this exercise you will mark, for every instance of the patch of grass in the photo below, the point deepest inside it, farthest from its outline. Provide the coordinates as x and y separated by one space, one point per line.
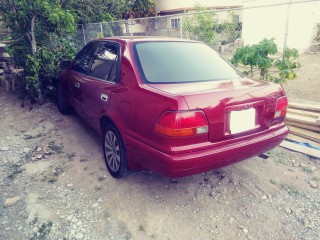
52 180
34 221
153 236
43 232
307 170
292 191
28 155
290 170
141 228
58 171
128 236
70 156
280 160
316 179
272 181
28 137
55 147
15 170
85 168
278 157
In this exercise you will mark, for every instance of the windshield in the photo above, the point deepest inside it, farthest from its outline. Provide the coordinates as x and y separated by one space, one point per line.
181 62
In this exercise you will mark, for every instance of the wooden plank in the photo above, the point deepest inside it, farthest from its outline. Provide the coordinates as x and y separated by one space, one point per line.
303 113
303 125
302 149
306 106
305 133
302 119
302 140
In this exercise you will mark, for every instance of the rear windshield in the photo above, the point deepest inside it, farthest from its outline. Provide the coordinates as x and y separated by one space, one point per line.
180 62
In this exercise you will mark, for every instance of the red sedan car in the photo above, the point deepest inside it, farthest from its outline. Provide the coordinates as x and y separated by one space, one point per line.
172 106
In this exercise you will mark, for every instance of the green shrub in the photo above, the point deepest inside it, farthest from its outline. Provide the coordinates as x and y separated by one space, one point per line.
261 56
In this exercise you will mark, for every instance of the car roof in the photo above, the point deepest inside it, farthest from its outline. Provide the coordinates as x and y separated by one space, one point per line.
144 39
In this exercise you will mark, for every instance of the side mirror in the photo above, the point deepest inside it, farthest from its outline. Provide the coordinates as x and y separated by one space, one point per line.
64 64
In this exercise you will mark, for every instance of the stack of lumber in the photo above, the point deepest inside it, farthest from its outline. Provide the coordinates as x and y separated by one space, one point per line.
304 115
303 120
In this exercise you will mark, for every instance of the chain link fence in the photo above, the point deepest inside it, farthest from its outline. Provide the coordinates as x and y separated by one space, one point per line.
219 29
294 24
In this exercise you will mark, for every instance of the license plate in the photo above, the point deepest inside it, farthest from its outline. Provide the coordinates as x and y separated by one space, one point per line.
241 121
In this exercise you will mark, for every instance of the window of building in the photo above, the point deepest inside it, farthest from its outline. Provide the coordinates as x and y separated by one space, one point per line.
175 23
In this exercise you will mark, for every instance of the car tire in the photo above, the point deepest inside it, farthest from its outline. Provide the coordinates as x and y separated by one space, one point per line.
62 103
114 152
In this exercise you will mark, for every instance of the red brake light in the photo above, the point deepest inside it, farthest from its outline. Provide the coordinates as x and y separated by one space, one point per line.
182 124
281 107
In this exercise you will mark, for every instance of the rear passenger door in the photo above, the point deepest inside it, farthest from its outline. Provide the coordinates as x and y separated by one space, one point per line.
102 77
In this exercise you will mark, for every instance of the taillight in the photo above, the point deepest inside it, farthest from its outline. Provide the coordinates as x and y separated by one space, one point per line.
281 108
182 124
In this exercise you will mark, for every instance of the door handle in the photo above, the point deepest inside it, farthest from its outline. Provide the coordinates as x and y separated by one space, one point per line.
77 85
104 97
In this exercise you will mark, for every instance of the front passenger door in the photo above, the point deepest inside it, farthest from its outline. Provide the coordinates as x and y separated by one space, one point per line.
78 73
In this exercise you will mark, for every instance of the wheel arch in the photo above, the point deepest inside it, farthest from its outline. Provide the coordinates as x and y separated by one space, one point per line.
105 120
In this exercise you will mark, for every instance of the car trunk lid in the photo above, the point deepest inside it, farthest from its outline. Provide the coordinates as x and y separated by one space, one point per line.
234 107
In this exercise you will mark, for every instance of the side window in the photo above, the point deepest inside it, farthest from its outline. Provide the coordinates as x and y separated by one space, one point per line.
83 58
104 65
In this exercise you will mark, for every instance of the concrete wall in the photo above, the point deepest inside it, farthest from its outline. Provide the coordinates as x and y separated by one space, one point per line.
270 22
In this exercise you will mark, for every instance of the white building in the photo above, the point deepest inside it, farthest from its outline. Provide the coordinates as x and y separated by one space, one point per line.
169 7
172 9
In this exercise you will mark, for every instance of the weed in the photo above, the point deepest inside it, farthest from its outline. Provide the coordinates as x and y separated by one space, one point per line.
55 148
52 180
16 169
58 170
43 231
316 179
34 221
307 170
128 236
292 191
141 228
278 157
70 156
27 136
272 181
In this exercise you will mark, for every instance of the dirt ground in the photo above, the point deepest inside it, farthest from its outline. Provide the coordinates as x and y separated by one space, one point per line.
54 185
307 84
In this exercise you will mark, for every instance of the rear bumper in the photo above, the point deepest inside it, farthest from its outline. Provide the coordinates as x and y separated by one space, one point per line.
213 157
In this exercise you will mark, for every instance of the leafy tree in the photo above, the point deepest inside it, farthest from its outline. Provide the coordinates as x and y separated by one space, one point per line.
287 65
40 30
206 27
31 22
261 56
92 11
201 26
140 9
